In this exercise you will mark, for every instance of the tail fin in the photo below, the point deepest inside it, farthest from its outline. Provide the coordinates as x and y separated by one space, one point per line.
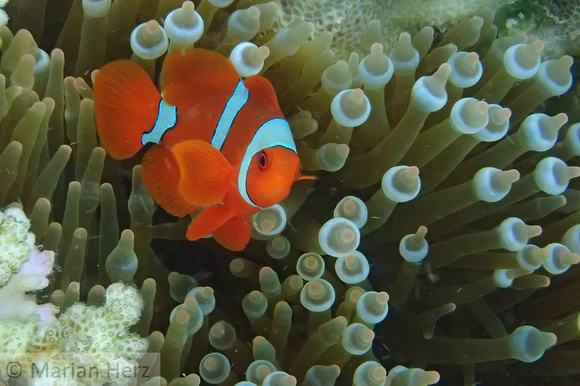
126 106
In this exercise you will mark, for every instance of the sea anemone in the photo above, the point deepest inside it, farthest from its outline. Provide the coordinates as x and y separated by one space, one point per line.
439 241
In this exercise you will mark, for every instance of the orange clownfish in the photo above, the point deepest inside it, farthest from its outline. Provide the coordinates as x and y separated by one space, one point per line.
219 146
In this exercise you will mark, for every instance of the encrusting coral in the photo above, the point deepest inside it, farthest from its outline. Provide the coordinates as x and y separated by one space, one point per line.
43 345
555 22
23 268
440 241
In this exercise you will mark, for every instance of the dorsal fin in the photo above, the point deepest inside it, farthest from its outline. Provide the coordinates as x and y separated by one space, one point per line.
126 106
261 90
195 73
161 177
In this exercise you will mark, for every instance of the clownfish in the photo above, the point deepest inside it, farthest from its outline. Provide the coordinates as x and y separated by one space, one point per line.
218 146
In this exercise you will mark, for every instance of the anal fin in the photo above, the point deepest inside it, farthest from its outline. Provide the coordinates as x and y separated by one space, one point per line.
208 220
234 234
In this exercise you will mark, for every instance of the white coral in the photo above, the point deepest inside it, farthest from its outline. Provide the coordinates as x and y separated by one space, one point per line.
82 336
23 268
16 242
105 329
94 337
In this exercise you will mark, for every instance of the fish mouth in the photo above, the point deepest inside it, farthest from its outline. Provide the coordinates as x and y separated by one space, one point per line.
305 177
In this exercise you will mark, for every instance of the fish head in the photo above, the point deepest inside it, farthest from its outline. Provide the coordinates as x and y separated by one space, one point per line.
271 174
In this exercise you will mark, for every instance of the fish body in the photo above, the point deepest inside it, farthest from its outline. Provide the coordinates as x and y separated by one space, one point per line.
218 147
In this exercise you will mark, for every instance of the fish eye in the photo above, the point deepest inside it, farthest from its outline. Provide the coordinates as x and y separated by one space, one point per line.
262 162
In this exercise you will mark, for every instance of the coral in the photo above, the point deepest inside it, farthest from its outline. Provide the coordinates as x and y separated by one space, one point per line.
346 19
86 338
439 241
96 338
24 268
106 326
89 337
554 22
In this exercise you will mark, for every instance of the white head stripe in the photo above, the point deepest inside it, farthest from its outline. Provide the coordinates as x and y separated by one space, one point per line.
275 132
166 119
234 105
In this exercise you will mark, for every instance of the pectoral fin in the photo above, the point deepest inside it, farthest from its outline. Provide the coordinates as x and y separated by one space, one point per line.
205 173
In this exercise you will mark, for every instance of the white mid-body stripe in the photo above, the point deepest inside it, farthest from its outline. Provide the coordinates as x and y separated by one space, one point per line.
165 120
167 117
234 105
275 132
